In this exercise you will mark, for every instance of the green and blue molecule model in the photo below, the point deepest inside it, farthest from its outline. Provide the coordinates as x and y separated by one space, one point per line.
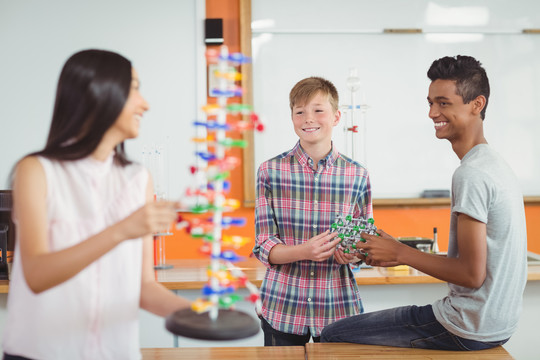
349 229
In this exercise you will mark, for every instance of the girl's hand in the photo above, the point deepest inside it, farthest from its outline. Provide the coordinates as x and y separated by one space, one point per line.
151 218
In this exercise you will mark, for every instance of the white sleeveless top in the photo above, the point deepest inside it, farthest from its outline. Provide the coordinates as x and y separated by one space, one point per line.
95 314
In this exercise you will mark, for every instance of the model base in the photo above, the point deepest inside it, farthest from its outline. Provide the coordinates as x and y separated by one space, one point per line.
229 325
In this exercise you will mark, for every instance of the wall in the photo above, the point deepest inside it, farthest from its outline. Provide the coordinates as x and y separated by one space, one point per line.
164 42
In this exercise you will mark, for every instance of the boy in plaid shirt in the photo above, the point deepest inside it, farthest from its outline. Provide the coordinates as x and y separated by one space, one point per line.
308 284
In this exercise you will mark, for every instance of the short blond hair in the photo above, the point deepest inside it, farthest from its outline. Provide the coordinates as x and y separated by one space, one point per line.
306 89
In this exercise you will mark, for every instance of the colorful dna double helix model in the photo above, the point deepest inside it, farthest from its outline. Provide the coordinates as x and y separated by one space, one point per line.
210 192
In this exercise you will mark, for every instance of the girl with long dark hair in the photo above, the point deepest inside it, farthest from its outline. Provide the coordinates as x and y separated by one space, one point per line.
85 216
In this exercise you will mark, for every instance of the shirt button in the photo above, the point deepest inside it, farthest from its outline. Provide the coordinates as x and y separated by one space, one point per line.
314 226
316 178
309 299
312 273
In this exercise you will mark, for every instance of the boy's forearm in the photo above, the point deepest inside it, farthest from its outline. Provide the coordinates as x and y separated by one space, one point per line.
284 254
452 270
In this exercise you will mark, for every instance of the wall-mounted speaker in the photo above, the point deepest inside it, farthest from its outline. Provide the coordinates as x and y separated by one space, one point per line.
213 31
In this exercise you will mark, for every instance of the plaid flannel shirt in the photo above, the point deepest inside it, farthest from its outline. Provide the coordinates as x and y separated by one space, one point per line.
295 203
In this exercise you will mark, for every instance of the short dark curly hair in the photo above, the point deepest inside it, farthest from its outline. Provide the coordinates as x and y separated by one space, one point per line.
470 77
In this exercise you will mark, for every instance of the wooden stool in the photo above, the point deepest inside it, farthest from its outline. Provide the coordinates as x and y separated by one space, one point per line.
339 351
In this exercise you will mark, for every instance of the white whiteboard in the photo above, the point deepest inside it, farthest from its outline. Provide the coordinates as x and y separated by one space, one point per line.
402 155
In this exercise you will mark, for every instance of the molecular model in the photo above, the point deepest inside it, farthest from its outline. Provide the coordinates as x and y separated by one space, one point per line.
349 229
212 316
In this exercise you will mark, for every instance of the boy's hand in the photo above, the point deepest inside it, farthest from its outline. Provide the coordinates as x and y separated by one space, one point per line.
321 247
380 250
343 258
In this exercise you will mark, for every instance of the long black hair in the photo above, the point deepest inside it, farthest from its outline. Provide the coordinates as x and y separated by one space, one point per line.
92 90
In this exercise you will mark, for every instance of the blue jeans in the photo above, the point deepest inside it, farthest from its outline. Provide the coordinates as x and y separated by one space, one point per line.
407 326
14 357
273 337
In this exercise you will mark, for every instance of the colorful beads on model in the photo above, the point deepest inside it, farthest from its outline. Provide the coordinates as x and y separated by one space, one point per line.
349 229
208 194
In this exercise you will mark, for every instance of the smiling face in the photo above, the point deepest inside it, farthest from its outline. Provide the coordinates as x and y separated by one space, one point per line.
459 123
447 110
314 120
128 122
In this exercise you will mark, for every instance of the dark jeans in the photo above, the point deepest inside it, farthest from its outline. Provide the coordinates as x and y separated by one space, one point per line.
273 337
14 357
407 326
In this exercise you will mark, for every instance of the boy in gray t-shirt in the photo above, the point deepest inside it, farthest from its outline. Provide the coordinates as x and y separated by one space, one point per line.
486 264
485 189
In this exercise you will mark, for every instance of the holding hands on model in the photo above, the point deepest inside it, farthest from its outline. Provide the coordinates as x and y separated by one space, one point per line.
321 247
343 258
318 248
382 250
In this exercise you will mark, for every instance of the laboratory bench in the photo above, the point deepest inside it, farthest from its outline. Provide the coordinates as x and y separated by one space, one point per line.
189 274
225 353
318 351
342 351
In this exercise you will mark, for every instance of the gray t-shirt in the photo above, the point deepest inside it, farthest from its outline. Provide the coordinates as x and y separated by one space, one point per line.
485 188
